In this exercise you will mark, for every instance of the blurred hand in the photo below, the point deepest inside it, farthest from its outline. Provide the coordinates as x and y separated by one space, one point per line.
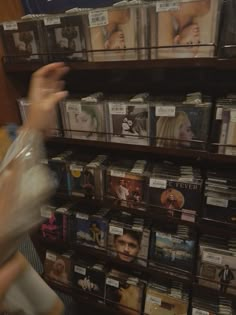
9 273
46 90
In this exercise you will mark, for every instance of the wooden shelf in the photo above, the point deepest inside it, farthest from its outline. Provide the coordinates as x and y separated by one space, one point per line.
213 63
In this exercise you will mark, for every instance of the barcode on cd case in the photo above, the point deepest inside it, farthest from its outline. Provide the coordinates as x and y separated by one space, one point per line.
98 18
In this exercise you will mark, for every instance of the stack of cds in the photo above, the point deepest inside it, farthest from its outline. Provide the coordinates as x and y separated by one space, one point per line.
128 238
220 196
125 291
166 298
180 124
129 119
216 264
65 37
126 183
172 247
176 190
224 130
84 118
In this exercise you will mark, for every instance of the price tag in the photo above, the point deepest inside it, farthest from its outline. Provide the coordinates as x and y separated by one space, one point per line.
212 258
233 115
52 20
74 167
153 299
10 26
165 111
44 161
170 5
199 312
80 270
137 171
188 215
98 18
51 257
217 202
118 173
112 282
158 183
219 113
116 230
74 107
82 216
62 210
117 109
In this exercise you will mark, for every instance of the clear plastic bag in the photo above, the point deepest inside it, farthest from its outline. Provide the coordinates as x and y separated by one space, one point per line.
25 184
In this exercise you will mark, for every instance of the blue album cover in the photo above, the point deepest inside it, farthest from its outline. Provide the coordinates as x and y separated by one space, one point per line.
91 231
171 250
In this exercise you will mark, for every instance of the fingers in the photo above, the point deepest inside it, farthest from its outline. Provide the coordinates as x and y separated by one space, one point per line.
53 99
10 271
46 70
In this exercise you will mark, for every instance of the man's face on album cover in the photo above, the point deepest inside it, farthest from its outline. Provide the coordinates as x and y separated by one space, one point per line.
127 247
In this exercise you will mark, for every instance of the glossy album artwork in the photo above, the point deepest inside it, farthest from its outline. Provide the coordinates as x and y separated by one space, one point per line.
189 25
113 31
172 250
23 40
217 269
65 38
180 126
84 121
129 123
158 302
58 267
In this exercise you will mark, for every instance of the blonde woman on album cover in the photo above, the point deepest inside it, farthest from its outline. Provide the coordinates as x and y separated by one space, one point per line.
183 27
174 131
58 272
22 290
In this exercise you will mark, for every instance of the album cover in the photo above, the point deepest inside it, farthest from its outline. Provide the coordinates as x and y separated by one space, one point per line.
113 31
129 122
179 125
128 189
23 40
176 195
84 120
58 267
172 250
131 244
217 269
125 292
90 278
92 228
163 303
65 37
191 24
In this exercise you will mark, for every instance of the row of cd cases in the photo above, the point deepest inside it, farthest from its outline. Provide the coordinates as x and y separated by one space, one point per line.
117 33
168 121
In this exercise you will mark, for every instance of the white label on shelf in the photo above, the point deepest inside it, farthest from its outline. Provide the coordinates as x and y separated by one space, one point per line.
188 215
10 26
233 115
74 167
98 18
115 230
117 109
219 113
52 20
74 107
44 161
137 170
165 111
117 173
158 183
196 311
80 270
170 5
51 257
61 210
82 216
217 202
112 282
153 299
212 258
